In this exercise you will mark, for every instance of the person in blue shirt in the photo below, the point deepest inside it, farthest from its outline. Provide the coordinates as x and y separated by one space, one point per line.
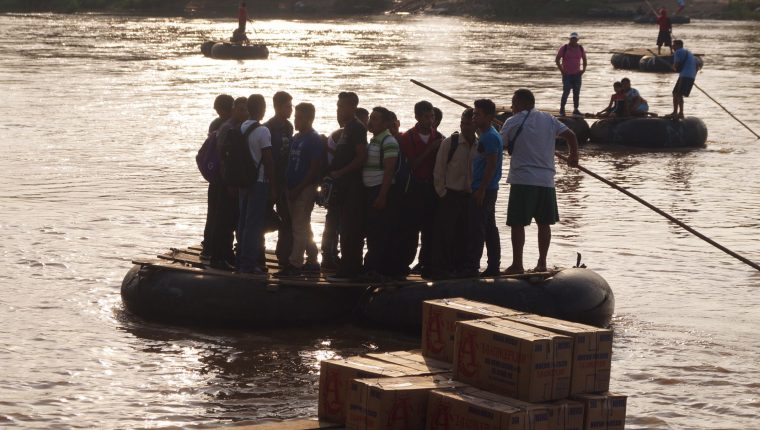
486 174
685 64
301 176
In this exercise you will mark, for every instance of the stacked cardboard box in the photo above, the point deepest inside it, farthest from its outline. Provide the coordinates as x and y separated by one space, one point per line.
513 359
511 371
439 318
336 376
592 351
392 403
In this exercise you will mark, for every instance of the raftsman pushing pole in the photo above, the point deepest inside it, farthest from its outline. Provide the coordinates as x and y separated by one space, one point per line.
624 191
657 58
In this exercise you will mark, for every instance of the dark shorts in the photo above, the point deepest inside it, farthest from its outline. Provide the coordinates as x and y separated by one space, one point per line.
529 201
663 38
683 87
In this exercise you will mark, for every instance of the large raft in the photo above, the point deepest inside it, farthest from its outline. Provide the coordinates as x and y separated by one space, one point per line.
178 289
663 133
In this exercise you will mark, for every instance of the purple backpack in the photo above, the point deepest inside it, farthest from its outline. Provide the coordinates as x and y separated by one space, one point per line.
208 159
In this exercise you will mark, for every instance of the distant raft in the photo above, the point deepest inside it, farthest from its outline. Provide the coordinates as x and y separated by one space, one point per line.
232 51
643 60
690 132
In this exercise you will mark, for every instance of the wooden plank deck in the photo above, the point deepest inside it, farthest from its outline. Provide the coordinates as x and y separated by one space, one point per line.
188 260
312 424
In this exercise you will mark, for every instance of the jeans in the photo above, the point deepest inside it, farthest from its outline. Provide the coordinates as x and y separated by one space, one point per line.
300 217
571 82
482 230
330 235
253 211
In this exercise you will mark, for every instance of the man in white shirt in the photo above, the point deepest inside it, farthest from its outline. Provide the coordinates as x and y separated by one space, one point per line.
530 135
253 199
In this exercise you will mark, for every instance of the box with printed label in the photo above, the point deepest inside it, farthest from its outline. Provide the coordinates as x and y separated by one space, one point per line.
392 403
513 359
604 411
413 359
567 415
335 377
592 351
462 410
439 318
538 415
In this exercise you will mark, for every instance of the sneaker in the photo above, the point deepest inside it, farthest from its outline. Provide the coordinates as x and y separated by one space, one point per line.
490 272
288 271
220 265
562 112
254 271
311 268
577 112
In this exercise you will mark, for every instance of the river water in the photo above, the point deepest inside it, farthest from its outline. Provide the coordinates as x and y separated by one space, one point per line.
100 120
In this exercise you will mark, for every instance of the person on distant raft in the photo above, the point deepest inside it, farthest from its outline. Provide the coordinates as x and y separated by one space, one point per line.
685 64
568 62
681 6
530 135
238 35
666 27
617 107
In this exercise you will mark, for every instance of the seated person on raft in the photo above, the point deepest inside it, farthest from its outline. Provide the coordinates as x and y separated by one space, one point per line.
617 106
635 104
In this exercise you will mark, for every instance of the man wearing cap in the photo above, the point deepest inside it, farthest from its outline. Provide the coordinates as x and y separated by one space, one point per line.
568 62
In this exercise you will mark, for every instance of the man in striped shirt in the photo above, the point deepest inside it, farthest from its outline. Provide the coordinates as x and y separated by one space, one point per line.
381 207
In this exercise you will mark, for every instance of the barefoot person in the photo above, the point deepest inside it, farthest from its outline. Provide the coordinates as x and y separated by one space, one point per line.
685 64
529 135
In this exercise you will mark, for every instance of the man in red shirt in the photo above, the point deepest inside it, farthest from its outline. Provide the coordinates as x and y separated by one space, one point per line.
419 146
242 17
664 36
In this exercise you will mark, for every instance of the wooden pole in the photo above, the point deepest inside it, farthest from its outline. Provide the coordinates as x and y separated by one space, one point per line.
711 98
627 193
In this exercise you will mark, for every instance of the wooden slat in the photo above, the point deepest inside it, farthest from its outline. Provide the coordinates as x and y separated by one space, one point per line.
292 425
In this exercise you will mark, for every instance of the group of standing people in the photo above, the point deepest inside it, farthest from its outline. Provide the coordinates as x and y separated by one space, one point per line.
399 192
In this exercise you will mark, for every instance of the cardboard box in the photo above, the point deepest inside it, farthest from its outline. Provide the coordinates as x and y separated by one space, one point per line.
513 359
392 403
592 351
335 377
462 410
567 415
538 415
439 318
604 411
413 359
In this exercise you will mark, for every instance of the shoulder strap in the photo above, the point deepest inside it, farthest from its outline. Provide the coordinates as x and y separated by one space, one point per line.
382 151
250 129
453 146
511 143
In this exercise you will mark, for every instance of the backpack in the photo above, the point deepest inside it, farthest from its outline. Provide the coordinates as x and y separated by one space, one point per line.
564 50
453 146
238 167
208 160
402 175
